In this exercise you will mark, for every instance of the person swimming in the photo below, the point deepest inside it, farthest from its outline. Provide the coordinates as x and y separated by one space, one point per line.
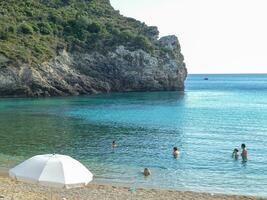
114 145
235 153
147 172
244 153
175 152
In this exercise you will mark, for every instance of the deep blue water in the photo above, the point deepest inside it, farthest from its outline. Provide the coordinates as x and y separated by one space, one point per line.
206 122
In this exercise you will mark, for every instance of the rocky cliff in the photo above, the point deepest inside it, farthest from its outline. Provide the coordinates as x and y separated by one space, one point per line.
122 68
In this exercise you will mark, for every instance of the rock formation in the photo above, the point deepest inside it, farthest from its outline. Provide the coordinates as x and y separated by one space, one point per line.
145 63
88 73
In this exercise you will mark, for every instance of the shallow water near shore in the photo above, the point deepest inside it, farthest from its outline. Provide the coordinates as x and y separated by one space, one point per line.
206 122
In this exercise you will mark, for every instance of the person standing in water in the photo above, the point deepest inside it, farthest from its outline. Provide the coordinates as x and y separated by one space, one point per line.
175 152
244 153
235 153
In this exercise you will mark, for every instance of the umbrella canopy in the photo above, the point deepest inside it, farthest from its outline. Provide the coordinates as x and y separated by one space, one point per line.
52 170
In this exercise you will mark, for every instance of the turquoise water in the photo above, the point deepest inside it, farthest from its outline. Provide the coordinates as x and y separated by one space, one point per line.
206 122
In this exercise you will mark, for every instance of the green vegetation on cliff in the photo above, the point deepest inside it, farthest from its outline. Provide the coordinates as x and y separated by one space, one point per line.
31 31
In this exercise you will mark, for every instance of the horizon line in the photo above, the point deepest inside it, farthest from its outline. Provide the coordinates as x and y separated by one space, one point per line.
225 73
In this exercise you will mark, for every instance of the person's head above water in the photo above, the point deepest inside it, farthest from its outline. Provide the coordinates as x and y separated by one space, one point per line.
147 172
175 149
114 145
243 146
236 150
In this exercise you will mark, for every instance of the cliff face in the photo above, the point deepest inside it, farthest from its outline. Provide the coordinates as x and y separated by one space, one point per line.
78 73
122 68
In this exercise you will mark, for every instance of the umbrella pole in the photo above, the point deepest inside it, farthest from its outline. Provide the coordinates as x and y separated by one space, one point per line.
51 194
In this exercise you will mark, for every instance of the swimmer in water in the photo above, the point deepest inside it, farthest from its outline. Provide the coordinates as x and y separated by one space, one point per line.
175 152
244 153
147 172
235 153
114 145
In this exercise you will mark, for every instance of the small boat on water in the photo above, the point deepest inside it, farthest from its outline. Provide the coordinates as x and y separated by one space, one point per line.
205 79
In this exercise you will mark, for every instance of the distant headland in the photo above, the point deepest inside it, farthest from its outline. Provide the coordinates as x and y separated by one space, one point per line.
79 47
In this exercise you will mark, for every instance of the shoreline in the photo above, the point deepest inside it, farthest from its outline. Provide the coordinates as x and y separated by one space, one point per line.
101 191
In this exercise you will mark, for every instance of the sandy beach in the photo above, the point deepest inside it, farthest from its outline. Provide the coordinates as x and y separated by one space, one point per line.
19 191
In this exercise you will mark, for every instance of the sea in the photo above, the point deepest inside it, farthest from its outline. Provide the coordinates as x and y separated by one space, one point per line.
206 122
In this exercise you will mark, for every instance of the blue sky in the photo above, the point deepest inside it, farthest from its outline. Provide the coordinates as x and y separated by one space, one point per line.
217 36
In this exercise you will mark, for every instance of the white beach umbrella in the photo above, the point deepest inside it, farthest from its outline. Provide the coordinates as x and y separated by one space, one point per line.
52 170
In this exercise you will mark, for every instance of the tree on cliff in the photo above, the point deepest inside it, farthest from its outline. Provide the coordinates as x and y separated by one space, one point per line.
31 31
